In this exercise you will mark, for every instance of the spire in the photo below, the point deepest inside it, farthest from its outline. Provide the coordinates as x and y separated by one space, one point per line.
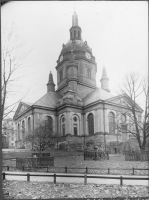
50 84
104 73
50 77
75 30
74 19
104 80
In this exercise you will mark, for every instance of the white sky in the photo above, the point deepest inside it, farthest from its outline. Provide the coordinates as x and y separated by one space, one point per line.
116 31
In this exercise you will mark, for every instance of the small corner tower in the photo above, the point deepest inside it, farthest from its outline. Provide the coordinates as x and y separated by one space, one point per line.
50 84
104 80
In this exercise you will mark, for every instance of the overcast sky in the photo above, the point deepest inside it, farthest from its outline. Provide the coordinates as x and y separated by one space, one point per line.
116 31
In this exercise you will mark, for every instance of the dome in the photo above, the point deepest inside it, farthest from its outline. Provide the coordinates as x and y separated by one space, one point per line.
76 45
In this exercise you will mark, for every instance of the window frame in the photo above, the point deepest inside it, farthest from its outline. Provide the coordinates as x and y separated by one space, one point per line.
90 122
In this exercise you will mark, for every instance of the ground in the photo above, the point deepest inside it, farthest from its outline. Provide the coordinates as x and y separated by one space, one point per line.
72 161
46 190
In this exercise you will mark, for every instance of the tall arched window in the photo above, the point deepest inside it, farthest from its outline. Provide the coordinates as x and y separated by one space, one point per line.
91 124
111 123
49 121
88 73
23 130
63 125
18 131
75 125
74 33
29 125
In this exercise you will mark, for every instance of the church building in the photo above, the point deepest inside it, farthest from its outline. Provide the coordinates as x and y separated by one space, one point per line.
78 107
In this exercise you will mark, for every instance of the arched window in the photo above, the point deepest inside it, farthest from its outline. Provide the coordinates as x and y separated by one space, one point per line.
49 122
63 125
18 131
91 124
111 123
88 73
29 125
23 130
75 125
74 33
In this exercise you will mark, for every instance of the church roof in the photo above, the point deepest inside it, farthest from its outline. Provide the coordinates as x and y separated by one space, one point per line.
77 45
48 100
95 95
27 103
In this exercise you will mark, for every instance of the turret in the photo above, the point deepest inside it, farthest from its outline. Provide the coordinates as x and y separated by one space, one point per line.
50 84
104 80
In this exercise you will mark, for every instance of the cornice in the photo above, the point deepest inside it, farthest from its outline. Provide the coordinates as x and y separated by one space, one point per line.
76 58
33 107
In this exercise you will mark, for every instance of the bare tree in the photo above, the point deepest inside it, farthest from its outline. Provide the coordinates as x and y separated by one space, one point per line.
138 126
13 59
42 137
8 132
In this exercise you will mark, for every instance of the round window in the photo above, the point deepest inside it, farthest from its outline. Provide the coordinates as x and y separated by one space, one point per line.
75 119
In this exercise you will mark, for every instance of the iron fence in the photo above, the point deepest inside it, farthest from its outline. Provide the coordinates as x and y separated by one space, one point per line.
40 154
137 156
132 171
34 162
94 155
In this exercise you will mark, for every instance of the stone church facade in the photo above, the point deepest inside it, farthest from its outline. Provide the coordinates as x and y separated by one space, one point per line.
78 107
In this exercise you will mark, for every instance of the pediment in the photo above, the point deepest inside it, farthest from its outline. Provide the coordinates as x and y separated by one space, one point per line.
123 101
119 100
21 108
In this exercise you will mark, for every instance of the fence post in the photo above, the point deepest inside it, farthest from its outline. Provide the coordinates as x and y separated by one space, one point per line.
133 171
121 180
28 177
47 169
108 170
54 178
86 170
65 169
85 179
3 175
23 168
7 168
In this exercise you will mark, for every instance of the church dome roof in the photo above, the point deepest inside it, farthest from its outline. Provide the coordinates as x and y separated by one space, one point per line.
76 45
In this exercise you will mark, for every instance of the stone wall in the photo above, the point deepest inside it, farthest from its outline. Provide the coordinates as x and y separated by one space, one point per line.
78 142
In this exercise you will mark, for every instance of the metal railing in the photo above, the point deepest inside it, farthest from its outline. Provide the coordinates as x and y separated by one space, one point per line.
28 175
74 170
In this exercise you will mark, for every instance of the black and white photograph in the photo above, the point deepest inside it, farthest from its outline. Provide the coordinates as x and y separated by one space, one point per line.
74 100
